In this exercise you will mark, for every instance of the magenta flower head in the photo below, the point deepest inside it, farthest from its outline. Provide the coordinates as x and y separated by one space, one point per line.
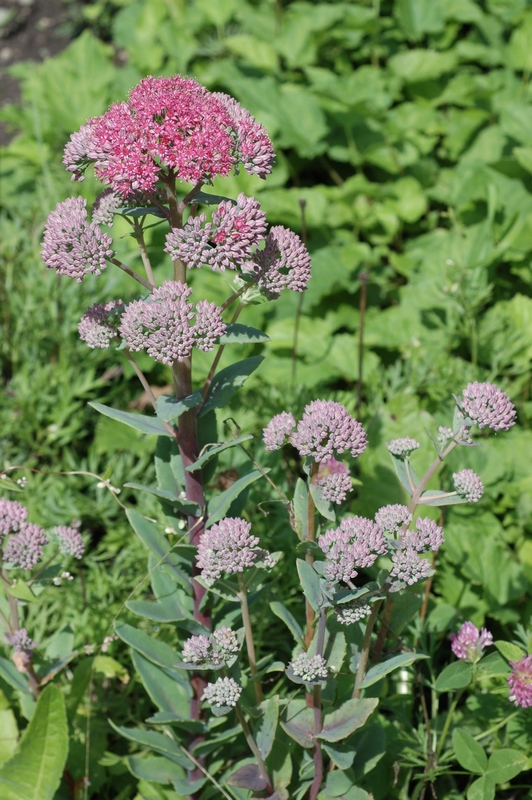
354 545
169 124
468 644
228 547
487 406
520 682
334 480
12 515
326 430
24 549
99 324
468 484
72 245
162 324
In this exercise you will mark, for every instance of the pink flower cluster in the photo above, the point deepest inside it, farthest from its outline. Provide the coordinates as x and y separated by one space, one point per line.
334 480
469 643
228 547
169 125
520 682
408 566
72 245
162 326
354 545
25 541
487 406
468 484
99 324
231 241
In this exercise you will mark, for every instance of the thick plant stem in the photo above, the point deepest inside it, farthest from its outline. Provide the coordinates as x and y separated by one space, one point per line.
250 646
311 536
254 749
364 656
318 714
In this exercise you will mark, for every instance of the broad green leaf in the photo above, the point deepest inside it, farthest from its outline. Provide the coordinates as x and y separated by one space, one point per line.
13 677
289 620
422 65
154 769
158 742
228 381
159 653
418 18
247 777
211 452
339 724
221 503
267 726
144 424
469 753
9 730
510 651
324 507
505 764
237 333
405 473
310 583
482 789
22 591
300 507
299 723
156 543
180 505
170 408
168 694
454 676
169 466
380 670
35 771
342 755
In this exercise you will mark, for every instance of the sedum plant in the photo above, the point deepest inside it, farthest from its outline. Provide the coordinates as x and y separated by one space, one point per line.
230 724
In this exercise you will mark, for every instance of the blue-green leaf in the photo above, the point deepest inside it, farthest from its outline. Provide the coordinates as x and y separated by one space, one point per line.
351 715
158 742
142 423
380 670
180 505
289 620
220 503
228 381
237 333
170 408
310 583
211 452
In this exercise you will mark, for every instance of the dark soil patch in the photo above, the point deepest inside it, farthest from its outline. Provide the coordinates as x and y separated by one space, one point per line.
30 30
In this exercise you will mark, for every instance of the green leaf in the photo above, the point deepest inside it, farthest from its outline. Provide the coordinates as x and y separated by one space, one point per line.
13 677
310 583
34 772
211 452
144 424
505 764
156 543
482 789
180 505
267 726
167 694
324 507
454 676
211 199
289 620
342 755
510 651
158 742
228 381
351 715
469 753
159 653
154 769
300 507
299 723
237 333
405 473
380 670
247 777
170 408
418 18
9 728
22 591
221 503
436 498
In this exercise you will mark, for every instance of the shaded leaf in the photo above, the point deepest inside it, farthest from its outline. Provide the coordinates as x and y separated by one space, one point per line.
144 424
237 333
351 715
454 676
210 452
380 670
228 381
170 408
221 503
247 777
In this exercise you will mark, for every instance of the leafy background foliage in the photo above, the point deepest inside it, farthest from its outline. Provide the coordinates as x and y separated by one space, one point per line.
404 139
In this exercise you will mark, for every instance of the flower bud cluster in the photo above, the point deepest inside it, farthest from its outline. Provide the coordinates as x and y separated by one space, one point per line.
224 692
468 484
354 545
229 547
211 651
309 668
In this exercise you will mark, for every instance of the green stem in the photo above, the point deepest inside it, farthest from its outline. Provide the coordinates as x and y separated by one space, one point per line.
139 234
364 655
250 645
418 491
318 714
132 273
447 724
254 749
218 356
